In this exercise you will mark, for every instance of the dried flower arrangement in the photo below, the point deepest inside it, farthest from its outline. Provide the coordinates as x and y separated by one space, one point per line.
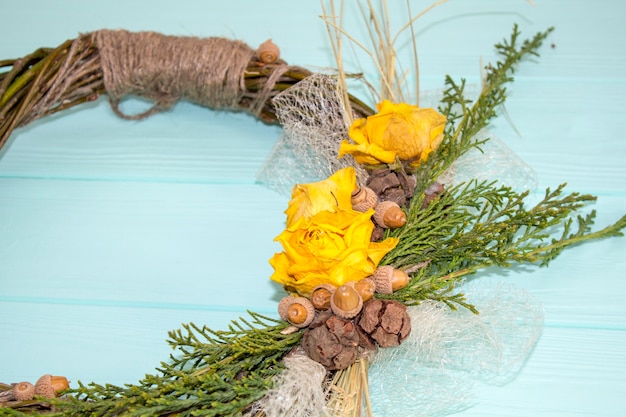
378 245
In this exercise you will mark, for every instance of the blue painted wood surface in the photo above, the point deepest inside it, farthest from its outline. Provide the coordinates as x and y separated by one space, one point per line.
114 232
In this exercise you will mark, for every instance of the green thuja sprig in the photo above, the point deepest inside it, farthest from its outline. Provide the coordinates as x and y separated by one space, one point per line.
465 117
479 225
215 373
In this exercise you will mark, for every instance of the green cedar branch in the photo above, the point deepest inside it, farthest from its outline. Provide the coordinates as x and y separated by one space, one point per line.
465 118
479 225
217 373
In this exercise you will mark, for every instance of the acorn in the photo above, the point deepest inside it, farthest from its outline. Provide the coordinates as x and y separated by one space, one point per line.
389 215
389 279
298 311
363 199
365 287
268 52
23 391
320 296
48 385
346 302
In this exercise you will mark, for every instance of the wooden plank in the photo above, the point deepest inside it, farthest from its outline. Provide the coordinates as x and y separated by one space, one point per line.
189 144
126 242
103 343
114 232
572 372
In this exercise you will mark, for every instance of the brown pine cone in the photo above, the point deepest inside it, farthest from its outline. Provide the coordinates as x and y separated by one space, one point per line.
392 185
331 341
385 321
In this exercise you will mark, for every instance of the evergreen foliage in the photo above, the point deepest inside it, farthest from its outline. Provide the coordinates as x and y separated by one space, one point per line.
478 225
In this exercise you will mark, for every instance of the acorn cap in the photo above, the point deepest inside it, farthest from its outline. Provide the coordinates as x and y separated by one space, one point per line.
388 214
346 302
48 385
23 391
389 279
364 199
283 305
298 311
382 278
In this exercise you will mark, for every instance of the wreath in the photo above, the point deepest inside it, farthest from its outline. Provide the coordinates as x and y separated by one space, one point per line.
376 251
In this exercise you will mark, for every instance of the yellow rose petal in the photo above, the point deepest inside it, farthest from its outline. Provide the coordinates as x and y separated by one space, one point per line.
368 154
330 247
327 195
408 132
377 250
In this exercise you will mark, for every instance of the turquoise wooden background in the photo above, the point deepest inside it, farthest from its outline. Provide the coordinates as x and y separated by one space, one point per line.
114 232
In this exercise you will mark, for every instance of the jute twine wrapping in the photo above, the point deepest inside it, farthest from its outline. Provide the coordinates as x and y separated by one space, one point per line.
165 69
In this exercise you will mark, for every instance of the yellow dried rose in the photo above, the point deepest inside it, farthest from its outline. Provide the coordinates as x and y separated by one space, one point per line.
329 194
402 131
329 247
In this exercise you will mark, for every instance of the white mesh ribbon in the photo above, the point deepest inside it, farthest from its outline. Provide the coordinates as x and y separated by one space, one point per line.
311 114
436 369
298 391
493 160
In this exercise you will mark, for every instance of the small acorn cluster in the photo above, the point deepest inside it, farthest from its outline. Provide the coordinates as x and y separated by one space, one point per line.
342 321
47 386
